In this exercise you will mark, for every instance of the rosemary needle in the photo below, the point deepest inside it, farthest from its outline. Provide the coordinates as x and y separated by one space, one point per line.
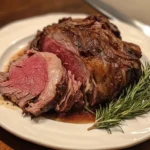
133 101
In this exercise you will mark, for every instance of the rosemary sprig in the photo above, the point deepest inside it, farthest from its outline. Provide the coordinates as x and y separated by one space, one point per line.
133 101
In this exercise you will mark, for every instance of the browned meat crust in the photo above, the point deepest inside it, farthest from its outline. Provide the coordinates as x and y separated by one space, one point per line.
112 63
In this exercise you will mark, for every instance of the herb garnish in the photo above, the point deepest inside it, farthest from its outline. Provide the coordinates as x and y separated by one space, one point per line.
134 101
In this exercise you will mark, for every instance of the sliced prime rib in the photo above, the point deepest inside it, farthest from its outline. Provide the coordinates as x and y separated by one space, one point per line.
38 82
22 83
73 63
78 73
113 64
35 82
51 92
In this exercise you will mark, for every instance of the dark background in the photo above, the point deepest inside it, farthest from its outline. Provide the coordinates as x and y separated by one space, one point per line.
11 10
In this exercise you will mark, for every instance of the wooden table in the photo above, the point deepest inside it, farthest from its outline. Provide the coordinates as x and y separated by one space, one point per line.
19 9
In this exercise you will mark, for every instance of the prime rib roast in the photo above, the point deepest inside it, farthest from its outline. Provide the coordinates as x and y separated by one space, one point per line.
70 64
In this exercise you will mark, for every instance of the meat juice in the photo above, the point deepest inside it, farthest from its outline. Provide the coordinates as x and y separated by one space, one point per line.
73 116
8 104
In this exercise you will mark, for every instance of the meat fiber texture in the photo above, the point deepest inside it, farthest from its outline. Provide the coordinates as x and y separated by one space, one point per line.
73 63
33 82
38 82
92 49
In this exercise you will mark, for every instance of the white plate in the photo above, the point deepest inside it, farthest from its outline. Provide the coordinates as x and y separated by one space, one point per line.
58 134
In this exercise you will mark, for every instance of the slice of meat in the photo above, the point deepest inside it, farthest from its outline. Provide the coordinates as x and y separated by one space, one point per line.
37 82
73 95
27 78
70 61
56 75
75 65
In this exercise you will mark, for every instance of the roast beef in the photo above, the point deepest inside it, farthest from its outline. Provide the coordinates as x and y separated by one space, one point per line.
38 82
113 64
35 82
23 83
48 97
73 63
